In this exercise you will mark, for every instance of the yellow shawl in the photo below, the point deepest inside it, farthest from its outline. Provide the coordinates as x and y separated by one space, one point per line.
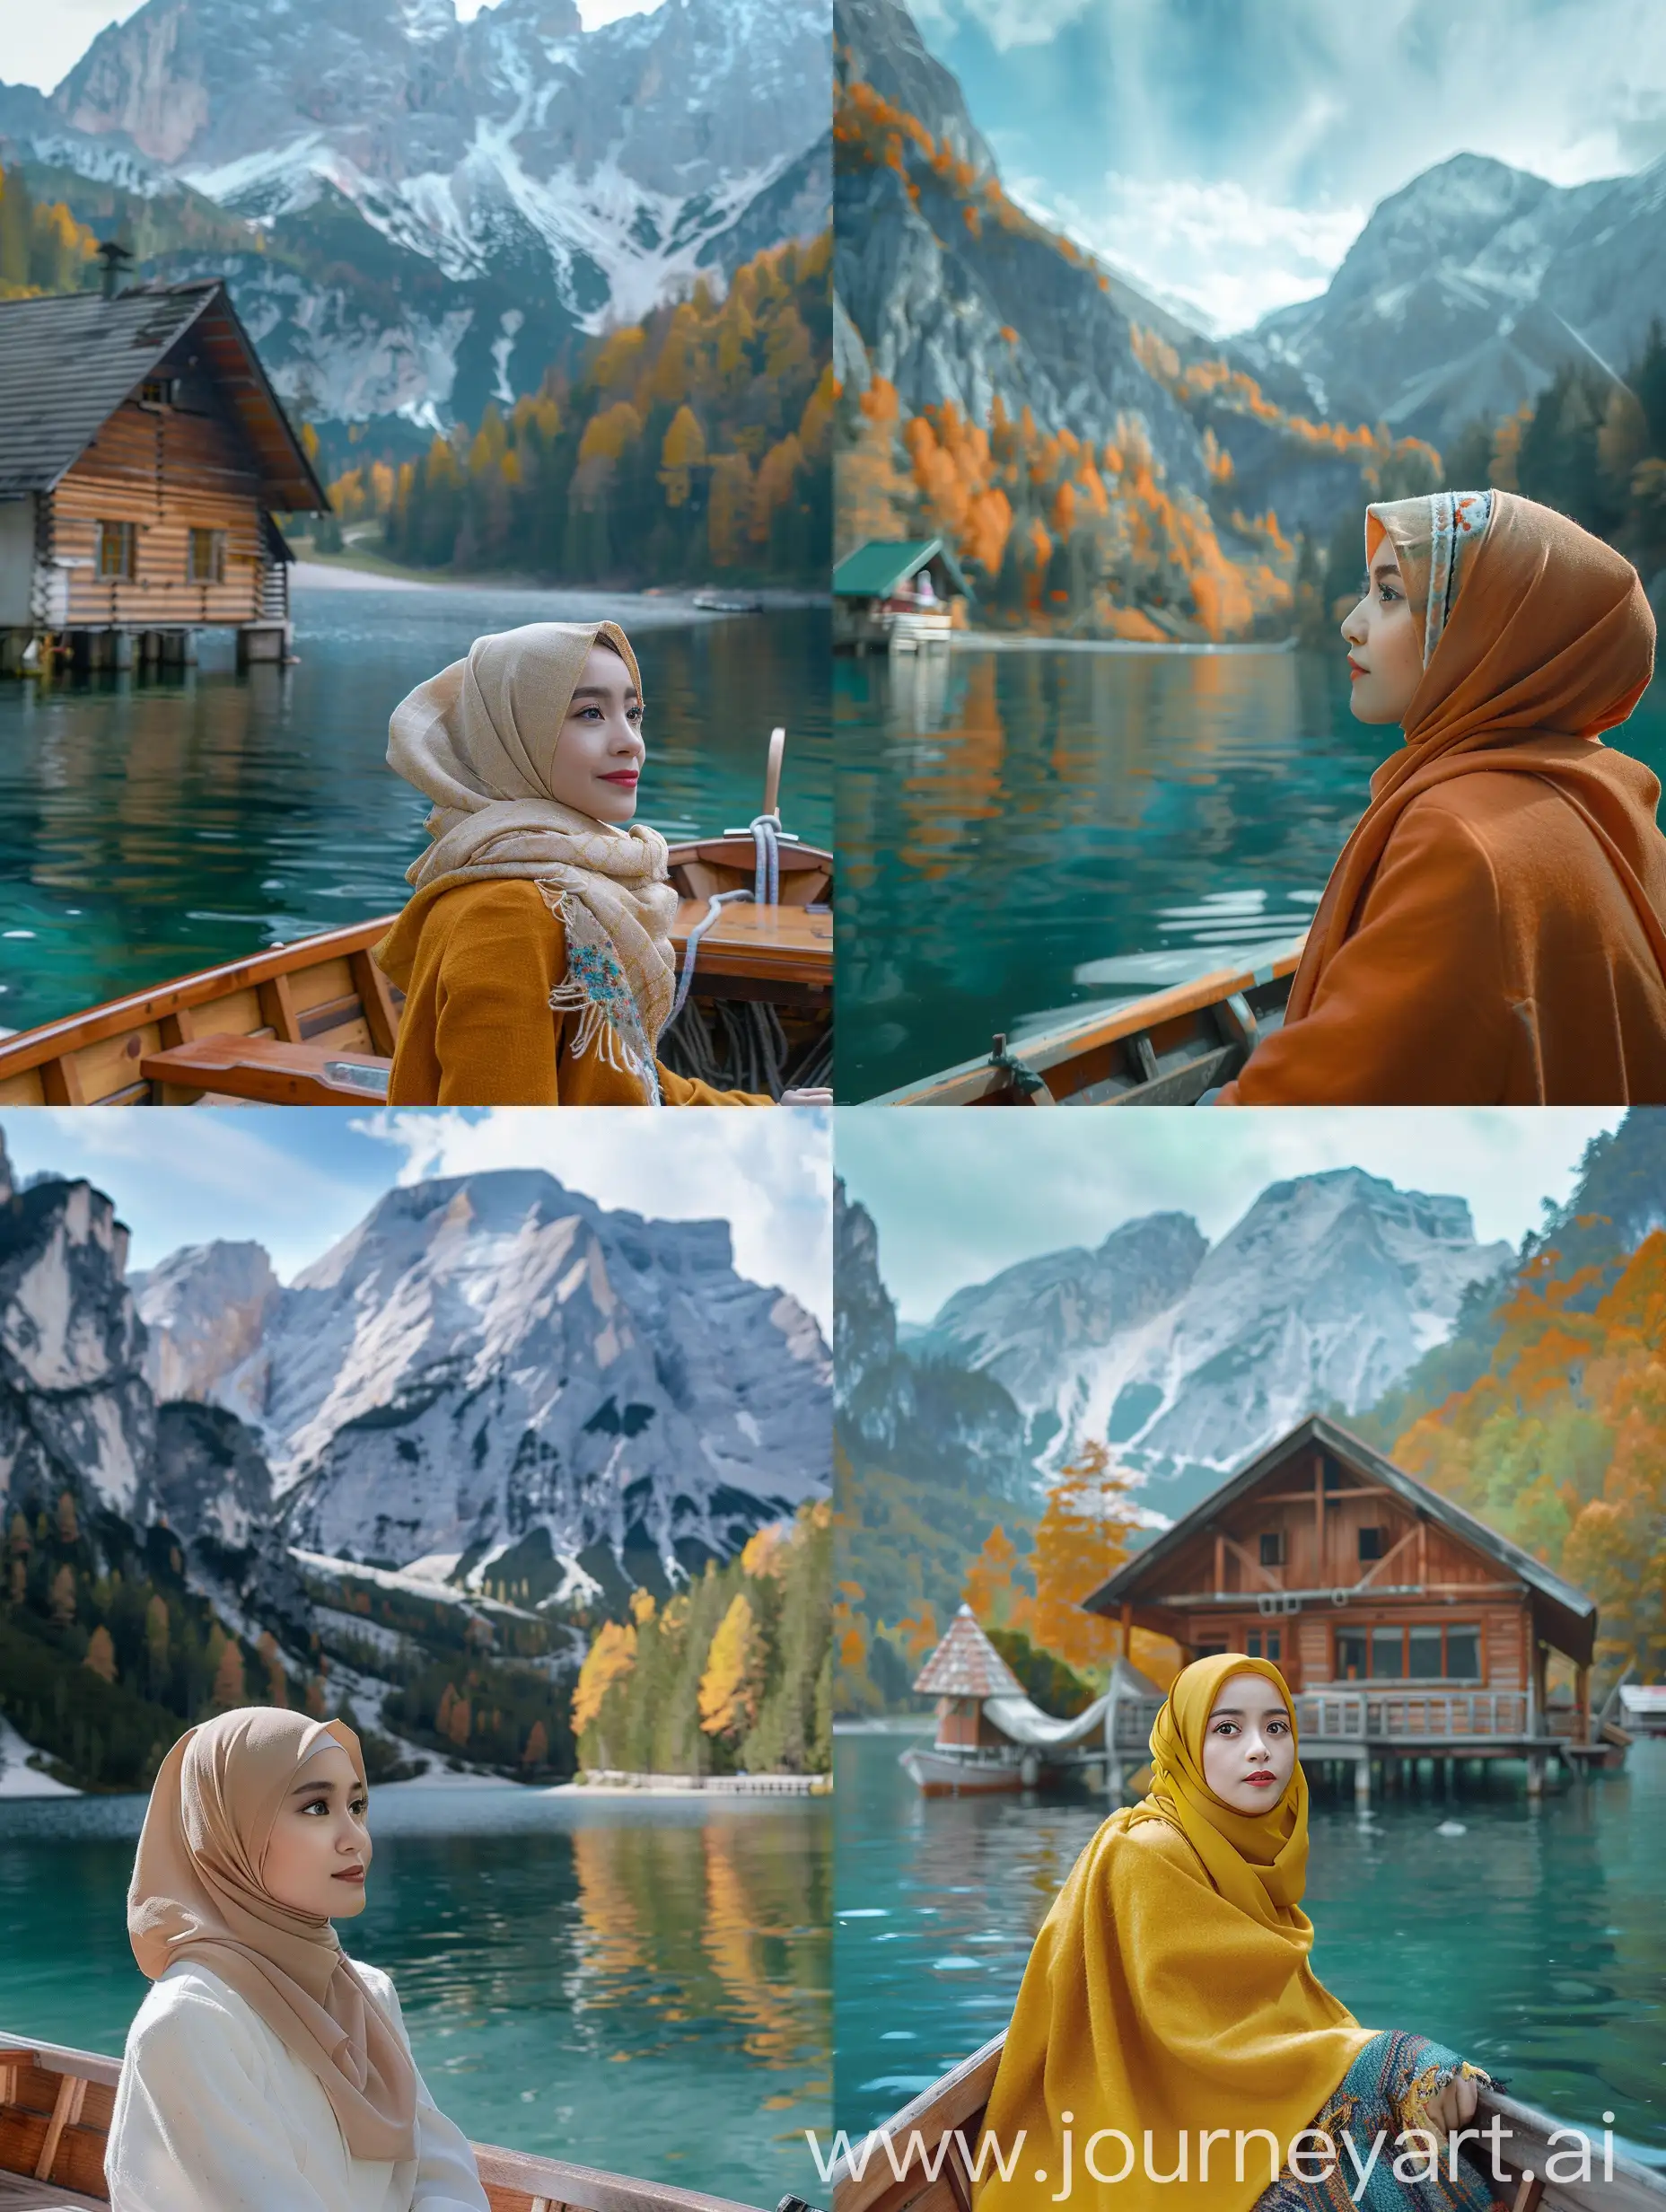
1169 1992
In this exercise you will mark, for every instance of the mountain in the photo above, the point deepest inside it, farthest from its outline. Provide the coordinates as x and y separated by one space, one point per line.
434 211
148 1574
497 1371
1190 1359
947 311
1465 293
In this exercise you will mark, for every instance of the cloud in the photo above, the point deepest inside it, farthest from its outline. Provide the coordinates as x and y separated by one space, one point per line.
179 1177
768 1174
956 1197
1024 22
1222 256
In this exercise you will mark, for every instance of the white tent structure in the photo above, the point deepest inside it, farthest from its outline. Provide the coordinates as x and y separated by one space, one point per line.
991 1737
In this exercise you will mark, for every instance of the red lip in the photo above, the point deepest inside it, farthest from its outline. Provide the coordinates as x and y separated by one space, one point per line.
349 1874
626 779
1354 671
1261 1781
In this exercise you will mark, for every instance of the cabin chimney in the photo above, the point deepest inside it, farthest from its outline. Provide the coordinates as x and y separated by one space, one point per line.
117 261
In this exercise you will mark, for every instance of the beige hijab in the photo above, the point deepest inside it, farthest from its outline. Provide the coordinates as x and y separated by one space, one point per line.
198 1894
479 740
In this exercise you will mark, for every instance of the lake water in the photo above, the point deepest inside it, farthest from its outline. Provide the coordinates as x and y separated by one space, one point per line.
641 1988
1535 1942
152 826
1009 820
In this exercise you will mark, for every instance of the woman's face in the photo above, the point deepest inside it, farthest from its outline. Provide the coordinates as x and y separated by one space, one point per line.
1248 1747
1385 651
319 1852
599 758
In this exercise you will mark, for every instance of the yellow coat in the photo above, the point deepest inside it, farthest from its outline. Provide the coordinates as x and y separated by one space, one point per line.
477 962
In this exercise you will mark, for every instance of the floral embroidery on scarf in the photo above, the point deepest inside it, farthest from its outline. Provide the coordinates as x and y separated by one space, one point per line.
596 989
1458 524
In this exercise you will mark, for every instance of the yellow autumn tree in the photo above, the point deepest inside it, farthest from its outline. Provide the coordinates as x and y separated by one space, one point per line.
608 1660
100 1659
990 1590
731 1686
681 454
229 1688
1082 1541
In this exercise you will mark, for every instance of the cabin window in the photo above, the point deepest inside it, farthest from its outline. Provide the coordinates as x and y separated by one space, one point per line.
157 391
118 547
1273 1640
1210 1650
1374 1544
1463 1654
1351 1656
1388 1654
1272 1548
1423 1661
206 558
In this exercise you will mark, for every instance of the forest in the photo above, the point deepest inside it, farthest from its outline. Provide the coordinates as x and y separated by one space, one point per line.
42 247
694 444
732 1674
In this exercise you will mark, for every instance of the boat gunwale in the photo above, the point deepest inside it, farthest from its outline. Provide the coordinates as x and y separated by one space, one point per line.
968 1082
963 2093
574 2187
31 1049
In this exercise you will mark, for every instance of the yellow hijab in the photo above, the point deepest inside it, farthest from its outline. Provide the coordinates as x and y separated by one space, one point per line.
1169 1993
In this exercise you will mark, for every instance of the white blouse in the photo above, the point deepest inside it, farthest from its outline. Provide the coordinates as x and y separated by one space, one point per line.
215 2114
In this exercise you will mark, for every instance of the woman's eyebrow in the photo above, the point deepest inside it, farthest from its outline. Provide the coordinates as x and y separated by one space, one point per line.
596 691
1388 566
301 1786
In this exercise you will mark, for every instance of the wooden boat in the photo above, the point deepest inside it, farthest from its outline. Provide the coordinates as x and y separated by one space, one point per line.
1165 1049
314 1023
56 2106
950 2114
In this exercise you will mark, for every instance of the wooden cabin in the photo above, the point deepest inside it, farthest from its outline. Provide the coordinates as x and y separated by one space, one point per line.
1406 1627
898 595
142 453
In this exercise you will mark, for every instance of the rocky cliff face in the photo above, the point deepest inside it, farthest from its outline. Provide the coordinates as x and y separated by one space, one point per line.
925 1417
946 315
1467 290
207 1307
491 1359
1191 1359
443 203
75 1411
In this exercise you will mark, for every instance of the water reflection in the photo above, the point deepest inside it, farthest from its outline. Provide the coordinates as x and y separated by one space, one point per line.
1027 833
1534 1939
150 825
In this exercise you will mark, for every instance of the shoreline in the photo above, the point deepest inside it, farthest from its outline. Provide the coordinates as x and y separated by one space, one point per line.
671 603
1030 641
683 1786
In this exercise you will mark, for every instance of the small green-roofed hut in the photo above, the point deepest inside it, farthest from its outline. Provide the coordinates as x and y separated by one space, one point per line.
898 593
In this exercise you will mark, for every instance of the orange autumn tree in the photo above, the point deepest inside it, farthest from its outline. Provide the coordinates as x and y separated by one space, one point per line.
1561 1444
1080 1542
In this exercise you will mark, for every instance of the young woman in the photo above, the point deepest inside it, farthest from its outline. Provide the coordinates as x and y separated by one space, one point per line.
1495 931
1169 1997
536 954
265 2070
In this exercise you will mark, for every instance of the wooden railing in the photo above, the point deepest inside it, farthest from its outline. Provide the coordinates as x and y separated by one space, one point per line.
1372 1713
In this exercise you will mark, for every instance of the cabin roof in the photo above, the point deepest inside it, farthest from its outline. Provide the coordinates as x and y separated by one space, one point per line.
68 362
883 565
1137 1578
967 1664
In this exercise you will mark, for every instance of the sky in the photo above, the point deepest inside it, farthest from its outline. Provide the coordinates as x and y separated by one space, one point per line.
956 1197
1225 154
296 1180
40 45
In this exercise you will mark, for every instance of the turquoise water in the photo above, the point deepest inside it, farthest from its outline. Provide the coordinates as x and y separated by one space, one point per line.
1025 833
149 826
640 1988
1535 1942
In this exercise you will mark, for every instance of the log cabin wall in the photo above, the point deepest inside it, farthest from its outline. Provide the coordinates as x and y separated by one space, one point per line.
168 469
1300 1530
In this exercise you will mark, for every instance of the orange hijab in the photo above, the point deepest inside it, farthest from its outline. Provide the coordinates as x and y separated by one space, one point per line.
1532 628
1170 1991
196 1892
